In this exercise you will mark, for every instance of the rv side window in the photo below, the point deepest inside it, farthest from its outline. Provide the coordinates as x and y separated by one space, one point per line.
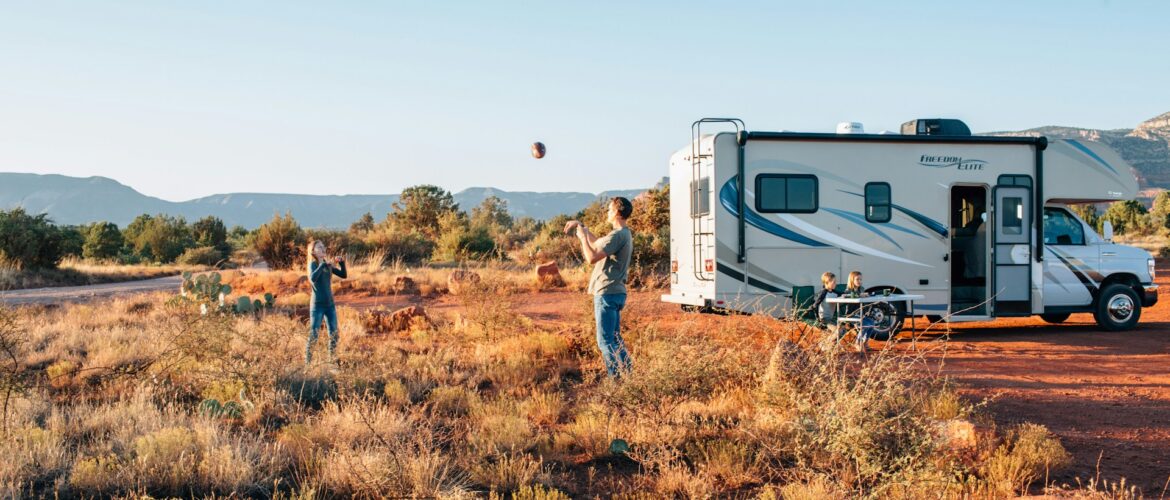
1015 180
877 202
776 193
701 197
1061 228
1013 215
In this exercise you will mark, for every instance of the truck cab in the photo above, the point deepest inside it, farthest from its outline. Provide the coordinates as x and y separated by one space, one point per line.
1086 272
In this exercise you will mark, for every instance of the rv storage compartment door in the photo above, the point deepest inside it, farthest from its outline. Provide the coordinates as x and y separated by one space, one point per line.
1012 285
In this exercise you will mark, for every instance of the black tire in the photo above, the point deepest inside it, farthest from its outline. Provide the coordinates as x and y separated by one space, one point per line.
689 308
1118 308
1055 318
887 318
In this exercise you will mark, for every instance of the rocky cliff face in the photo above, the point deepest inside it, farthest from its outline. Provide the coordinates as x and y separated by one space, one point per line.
1146 147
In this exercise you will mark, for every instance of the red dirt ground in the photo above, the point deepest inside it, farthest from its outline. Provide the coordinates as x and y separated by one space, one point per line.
1106 395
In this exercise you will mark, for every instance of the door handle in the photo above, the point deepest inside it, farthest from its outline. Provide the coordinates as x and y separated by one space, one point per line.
946 257
1109 254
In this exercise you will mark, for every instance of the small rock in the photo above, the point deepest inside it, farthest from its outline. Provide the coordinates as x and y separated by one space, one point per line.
380 321
460 281
548 275
960 436
405 285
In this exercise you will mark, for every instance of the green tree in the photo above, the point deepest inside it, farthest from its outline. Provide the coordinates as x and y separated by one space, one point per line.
363 225
28 241
239 237
461 241
281 242
493 214
1088 213
651 211
1160 212
1127 217
419 209
72 240
159 238
103 240
211 232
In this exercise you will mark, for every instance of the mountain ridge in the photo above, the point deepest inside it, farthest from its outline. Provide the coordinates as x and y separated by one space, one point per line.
80 200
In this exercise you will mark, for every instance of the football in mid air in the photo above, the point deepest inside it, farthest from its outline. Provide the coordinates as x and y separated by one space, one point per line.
538 150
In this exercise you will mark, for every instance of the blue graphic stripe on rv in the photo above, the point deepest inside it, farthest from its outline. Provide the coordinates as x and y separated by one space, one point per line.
738 276
729 197
1086 150
859 220
931 224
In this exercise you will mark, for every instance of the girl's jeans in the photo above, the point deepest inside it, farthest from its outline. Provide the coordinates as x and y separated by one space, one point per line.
316 313
607 310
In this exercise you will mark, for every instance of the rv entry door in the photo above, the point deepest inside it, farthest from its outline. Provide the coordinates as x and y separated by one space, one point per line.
1012 250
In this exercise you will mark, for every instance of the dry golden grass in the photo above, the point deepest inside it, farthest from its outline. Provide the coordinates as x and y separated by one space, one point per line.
147 396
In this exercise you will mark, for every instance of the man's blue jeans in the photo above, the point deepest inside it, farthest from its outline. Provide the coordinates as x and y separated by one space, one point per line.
607 310
317 312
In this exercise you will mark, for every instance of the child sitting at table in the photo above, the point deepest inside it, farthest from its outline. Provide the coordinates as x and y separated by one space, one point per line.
855 289
826 319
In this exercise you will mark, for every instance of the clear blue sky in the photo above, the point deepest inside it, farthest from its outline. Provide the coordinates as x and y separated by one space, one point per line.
182 99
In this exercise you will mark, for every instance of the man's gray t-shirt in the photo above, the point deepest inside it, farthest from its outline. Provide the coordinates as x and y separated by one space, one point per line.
609 274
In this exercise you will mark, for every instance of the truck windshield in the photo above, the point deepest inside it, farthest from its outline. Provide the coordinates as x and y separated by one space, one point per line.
1061 228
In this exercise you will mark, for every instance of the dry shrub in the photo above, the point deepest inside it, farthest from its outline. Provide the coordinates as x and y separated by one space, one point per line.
395 393
32 456
544 409
590 431
532 492
729 464
499 427
451 401
506 471
1029 452
853 422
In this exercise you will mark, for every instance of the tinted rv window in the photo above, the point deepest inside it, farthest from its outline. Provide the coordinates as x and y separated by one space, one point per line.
1015 180
1061 228
700 197
877 202
786 193
1013 216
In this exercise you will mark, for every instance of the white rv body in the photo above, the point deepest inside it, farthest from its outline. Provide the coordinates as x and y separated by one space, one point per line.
953 218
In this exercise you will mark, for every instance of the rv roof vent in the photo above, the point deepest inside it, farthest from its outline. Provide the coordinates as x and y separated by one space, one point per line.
850 128
935 126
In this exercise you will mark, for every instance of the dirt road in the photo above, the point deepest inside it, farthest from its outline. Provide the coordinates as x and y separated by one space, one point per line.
88 292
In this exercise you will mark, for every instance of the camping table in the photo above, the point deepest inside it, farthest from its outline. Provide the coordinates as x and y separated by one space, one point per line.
873 299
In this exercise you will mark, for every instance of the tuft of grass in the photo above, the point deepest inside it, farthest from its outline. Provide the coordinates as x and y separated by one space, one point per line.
1029 452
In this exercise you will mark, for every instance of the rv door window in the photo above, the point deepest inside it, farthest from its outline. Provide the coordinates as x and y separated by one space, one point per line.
701 197
1061 228
783 193
1013 216
877 202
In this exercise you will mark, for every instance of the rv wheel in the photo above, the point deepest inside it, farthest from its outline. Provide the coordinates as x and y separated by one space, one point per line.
1118 308
887 320
1055 318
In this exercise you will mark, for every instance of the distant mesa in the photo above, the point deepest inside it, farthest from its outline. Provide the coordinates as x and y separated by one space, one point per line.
79 200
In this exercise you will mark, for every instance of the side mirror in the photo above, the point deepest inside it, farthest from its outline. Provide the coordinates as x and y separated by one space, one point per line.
1107 231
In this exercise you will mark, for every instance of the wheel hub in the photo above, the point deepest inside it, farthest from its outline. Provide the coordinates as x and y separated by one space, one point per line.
1120 308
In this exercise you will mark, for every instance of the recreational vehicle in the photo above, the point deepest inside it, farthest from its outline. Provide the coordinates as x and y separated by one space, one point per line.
978 225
